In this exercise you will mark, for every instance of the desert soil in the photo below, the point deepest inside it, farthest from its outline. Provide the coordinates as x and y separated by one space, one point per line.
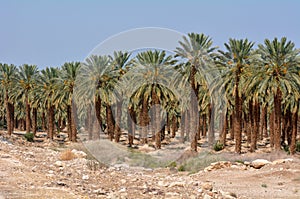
37 170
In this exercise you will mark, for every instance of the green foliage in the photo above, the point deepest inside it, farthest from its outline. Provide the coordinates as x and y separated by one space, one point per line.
29 137
181 168
218 146
264 186
172 164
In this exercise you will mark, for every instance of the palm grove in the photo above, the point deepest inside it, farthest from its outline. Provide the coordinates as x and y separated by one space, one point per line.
260 87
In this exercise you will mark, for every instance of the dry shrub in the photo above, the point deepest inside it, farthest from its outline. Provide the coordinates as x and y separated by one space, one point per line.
67 155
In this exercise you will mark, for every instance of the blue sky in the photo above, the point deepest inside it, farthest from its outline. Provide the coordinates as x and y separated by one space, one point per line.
49 33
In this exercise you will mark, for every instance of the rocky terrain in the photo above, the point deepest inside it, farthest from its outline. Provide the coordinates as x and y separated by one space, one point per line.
50 170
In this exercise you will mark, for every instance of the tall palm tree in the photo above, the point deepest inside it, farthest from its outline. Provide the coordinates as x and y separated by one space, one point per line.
68 76
197 49
279 76
25 82
147 83
7 77
232 62
119 62
93 84
47 90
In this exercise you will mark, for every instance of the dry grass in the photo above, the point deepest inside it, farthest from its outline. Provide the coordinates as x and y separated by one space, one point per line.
67 155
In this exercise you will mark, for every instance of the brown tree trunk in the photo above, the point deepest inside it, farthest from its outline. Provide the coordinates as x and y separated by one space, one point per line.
50 122
277 124
110 122
294 132
231 126
224 129
204 122
89 122
262 122
69 123
131 121
183 127
194 110
28 125
34 121
157 119
73 124
98 110
118 121
211 132
144 121
271 123
8 114
174 126
255 131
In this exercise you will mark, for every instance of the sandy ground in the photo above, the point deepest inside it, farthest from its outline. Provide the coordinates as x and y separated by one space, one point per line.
35 170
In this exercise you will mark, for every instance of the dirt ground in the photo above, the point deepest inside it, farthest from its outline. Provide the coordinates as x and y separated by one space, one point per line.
37 170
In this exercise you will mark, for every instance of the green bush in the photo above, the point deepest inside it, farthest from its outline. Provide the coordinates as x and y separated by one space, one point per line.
29 137
218 146
181 168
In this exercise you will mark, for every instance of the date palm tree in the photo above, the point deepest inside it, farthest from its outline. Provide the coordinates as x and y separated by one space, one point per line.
147 83
7 78
279 76
23 87
197 50
68 76
233 61
47 90
119 63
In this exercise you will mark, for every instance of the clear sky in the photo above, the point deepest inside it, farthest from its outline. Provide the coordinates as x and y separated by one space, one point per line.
49 33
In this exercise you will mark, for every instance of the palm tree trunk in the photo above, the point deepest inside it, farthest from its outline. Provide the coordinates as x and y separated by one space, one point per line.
73 123
183 127
144 121
34 121
8 114
277 124
272 127
174 126
131 121
211 132
262 123
193 110
43 121
50 122
237 119
118 121
294 131
28 125
98 110
110 122
204 122
157 120
69 123
224 128
254 134
89 122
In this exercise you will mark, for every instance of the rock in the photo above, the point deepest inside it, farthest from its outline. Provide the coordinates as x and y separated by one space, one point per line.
247 163
59 164
280 161
206 196
85 177
259 163
79 154
218 165
60 183
207 186
177 184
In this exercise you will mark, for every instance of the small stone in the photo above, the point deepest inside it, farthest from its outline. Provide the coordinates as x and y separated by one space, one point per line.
207 186
59 163
206 196
85 177
177 184
259 163
123 181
